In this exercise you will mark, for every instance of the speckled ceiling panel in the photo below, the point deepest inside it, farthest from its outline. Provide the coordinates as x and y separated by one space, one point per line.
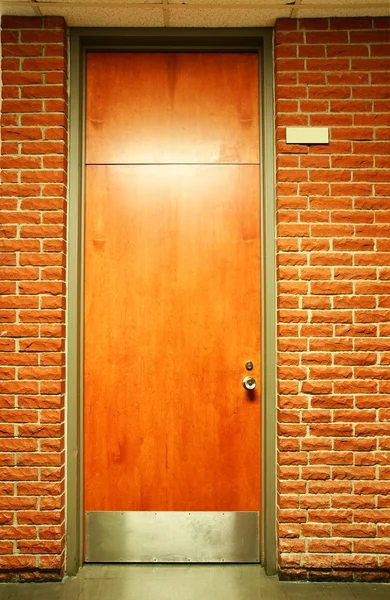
114 4
255 3
369 10
355 3
191 13
22 11
77 16
210 17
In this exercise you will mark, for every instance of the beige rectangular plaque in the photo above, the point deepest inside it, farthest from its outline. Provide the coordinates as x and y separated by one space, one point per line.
307 135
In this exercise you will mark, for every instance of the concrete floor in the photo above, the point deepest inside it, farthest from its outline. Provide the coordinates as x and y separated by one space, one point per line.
181 582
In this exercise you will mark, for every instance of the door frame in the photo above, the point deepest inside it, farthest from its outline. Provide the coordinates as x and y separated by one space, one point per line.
146 39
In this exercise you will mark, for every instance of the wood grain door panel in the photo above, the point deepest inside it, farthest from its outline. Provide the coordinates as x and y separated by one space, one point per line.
172 313
172 108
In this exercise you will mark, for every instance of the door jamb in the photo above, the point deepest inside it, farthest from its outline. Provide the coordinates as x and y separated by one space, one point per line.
178 39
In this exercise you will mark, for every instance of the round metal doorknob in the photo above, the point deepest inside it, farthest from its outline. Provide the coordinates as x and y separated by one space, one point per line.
249 383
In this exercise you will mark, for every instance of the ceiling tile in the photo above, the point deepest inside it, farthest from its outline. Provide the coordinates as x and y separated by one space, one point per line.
19 11
114 4
255 3
374 10
210 17
334 5
77 16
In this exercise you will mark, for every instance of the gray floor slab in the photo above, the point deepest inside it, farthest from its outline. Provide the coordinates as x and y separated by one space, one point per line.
317 591
366 591
182 582
172 582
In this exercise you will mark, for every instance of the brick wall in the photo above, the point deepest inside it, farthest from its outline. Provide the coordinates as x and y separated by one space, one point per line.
334 299
32 300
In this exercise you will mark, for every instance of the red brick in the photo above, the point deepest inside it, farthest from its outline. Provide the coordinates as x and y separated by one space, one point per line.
18 190
372 91
25 126
316 302
39 547
290 92
330 516
22 50
331 458
325 487
331 287
9 22
313 51
329 546
330 91
286 52
317 387
353 133
41 91
330 258
332 316
352 162
324 64
44 119
347 50
45 147
356 445
43 37
328 120
353 106
371 147
350 78
329 37
21 106
44 64
380 50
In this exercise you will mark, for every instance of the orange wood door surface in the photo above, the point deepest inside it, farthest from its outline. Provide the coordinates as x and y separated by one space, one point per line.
172 289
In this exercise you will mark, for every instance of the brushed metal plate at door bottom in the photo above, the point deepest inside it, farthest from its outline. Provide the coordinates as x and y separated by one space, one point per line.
229 537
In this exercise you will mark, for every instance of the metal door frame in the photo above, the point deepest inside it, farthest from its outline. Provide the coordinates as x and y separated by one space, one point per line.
258 40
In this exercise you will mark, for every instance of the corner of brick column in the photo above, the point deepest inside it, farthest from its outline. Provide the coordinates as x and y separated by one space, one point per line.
333 215
34 174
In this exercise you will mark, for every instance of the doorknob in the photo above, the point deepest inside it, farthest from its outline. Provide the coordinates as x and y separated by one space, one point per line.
249 383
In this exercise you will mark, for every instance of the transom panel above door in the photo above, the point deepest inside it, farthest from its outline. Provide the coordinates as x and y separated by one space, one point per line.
172 108
172 308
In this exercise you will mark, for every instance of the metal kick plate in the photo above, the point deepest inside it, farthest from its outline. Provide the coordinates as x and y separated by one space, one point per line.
172 537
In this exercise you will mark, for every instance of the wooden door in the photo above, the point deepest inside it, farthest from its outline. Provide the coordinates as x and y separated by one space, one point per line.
172 284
